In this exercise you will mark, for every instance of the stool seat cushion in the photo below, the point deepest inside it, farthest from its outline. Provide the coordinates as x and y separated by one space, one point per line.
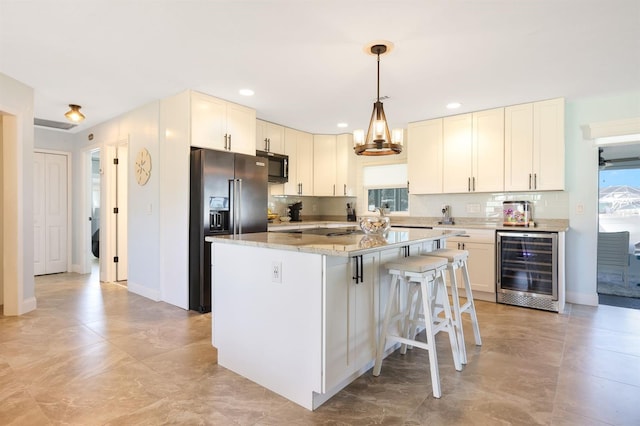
451 255
416 263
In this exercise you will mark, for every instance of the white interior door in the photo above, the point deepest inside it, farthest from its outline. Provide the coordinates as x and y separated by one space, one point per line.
50 213
113 221
39 217
121 218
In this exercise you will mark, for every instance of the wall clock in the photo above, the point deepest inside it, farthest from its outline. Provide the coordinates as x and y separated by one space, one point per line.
143 166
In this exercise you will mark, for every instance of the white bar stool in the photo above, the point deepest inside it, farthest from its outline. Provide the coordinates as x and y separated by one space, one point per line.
422 274
457 259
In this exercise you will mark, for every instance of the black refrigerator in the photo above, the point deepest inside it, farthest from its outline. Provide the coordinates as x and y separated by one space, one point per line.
228 195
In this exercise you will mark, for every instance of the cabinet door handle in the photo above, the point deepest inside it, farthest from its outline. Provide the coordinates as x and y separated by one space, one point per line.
474 184
468 184
300 189
358 269
535 181
334 189
529 180
408 191
345 189
266 144
229 141
225 141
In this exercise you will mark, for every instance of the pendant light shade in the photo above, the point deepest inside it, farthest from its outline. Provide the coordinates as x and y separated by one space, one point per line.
74 113
378 140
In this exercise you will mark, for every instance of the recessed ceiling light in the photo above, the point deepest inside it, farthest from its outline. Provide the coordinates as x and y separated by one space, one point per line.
453 105
246 92
343 125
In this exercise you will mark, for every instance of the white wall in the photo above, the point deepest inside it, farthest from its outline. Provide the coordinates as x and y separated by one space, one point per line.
140 128
174 199
16 107
582 186
55 140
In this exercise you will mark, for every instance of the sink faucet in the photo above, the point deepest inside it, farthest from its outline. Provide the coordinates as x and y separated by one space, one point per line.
381 211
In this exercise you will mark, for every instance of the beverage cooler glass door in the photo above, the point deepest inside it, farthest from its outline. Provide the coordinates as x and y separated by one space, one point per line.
527 264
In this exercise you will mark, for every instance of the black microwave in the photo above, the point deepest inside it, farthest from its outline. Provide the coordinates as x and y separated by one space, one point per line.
278 166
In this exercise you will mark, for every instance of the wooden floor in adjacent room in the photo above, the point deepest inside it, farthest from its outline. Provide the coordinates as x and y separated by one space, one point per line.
95 354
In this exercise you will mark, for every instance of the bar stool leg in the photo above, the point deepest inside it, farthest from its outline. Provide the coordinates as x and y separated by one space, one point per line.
470 305
457 313
385 325
431 341
412 312
451 331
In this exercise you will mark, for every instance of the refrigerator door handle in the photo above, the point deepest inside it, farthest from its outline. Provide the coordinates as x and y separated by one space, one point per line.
239 205
234 196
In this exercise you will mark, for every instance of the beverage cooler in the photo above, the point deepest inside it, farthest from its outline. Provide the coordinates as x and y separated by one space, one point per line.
528 269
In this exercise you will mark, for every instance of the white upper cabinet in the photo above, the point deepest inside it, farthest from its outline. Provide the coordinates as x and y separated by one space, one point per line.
548 145
488 151
333 165
473 152
324 165
534 146
457 152
305 164
222 125
269 137
299 147
345 166
425 157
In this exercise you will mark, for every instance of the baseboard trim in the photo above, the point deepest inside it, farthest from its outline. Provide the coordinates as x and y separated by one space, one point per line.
28 305
582 298
143 291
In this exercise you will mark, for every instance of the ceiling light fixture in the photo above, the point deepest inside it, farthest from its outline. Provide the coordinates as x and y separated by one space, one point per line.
246 92
74 113
378 140
453 105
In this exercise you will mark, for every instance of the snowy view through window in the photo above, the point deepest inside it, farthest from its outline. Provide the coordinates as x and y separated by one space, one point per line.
619 208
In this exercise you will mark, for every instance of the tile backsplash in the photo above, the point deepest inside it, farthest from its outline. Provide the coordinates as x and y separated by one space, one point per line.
546 205
311 206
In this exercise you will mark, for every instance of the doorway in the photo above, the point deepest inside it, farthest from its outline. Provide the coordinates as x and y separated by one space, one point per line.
94 218
50 212
104 237
619 225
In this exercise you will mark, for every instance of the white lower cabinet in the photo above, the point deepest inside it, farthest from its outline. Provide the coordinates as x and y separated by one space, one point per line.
481 262
350 316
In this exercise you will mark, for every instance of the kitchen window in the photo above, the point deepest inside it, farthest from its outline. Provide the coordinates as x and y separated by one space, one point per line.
386 186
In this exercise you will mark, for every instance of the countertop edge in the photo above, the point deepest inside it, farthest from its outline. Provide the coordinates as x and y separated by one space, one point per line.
317 250
542 225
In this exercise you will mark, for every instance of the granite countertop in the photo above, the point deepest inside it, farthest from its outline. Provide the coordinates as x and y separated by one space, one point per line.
343 245
541 225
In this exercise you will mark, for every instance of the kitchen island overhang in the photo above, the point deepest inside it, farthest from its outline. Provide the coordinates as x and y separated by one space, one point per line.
301 314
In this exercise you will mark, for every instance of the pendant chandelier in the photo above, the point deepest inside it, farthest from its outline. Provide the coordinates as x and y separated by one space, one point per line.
378 140
74 113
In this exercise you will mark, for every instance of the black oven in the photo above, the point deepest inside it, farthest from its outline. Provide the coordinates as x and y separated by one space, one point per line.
278 166
528 269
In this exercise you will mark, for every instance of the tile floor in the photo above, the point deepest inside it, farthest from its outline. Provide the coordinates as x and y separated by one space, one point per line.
94 354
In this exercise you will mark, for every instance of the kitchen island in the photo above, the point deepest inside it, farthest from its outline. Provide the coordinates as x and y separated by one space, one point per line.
300 314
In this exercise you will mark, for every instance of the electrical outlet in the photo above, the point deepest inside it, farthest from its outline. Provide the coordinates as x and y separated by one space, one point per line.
276 272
